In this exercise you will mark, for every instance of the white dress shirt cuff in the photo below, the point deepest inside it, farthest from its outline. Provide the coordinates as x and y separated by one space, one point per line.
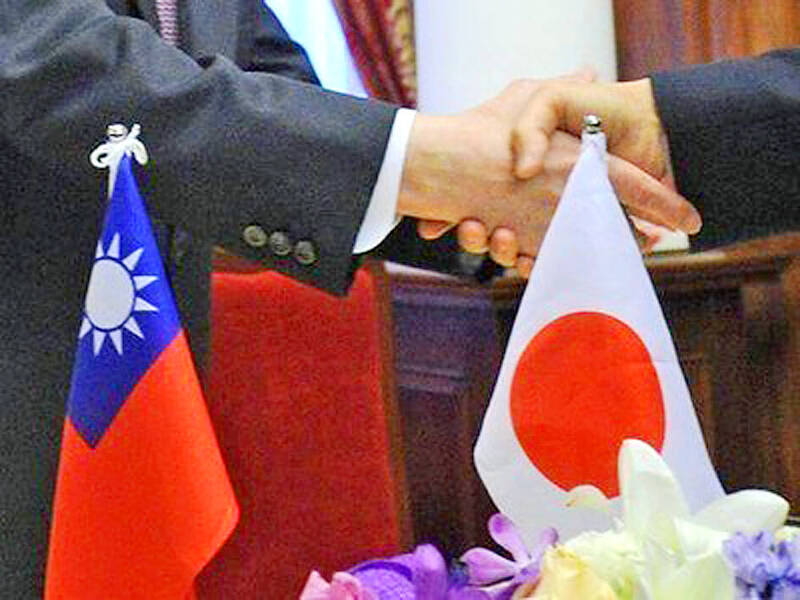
381 215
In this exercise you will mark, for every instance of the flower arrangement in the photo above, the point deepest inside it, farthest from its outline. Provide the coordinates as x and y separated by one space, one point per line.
735 548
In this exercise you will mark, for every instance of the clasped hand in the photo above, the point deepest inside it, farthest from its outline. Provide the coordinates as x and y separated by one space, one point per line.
498 169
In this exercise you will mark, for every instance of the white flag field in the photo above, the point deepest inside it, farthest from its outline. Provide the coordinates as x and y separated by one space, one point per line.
590 362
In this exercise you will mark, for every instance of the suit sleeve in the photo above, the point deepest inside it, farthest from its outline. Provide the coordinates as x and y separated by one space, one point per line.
734 138
230 149
265 46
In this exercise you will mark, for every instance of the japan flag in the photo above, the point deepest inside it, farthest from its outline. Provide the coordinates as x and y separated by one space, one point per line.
589 363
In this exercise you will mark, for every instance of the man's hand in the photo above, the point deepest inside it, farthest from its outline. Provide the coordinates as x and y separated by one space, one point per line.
628 112
462 166
633 132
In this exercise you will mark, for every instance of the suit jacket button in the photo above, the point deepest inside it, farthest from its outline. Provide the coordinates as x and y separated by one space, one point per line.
254 236
305 253
280 244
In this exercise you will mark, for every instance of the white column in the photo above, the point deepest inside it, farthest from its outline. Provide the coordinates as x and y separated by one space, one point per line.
468 50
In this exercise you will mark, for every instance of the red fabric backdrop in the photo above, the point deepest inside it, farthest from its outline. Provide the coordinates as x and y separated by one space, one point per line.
380 35
297 399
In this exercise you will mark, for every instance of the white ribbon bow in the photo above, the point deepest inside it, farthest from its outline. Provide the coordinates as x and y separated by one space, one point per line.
108 154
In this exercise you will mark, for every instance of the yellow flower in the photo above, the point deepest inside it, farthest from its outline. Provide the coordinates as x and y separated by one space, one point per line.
564 576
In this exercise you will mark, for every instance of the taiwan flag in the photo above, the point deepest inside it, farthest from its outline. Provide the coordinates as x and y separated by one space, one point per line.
589 363
143 500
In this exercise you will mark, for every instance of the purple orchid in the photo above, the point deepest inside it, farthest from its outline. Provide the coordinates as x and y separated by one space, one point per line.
486 568
764 568
420 575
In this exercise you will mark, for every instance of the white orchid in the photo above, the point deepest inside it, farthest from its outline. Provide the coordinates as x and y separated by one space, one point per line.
667 553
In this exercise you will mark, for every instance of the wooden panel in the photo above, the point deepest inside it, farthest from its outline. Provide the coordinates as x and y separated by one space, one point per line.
447 357
658 35
746 325
788 412
665 34
748 27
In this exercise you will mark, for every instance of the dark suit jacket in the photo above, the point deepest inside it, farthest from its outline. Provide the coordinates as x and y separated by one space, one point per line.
229 149
734 136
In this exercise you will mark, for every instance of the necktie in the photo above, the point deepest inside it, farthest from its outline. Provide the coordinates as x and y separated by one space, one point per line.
167 11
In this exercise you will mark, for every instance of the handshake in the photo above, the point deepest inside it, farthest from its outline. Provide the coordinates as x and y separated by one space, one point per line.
498 170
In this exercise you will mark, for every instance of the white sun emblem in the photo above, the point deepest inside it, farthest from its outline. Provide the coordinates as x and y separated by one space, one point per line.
112 296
